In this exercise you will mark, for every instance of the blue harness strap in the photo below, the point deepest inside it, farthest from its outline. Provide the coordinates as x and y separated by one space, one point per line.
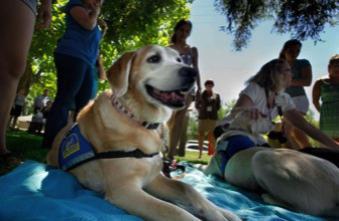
75 150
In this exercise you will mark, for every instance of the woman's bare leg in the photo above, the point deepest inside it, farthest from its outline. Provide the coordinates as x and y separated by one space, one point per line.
201 138
16 24
15 119
211 143
175 130
9 125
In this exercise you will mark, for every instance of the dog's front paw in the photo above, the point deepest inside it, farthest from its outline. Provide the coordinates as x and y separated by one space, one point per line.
227 215
219 214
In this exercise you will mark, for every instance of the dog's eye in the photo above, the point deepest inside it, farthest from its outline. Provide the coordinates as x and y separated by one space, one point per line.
154 59
179 60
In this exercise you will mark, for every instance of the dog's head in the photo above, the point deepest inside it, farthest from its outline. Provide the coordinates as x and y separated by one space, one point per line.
244 122
153 77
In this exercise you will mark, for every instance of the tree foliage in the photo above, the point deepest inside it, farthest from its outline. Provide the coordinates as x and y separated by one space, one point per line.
303 19
131 24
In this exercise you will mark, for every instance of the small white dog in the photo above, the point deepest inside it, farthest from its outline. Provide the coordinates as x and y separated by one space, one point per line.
289 178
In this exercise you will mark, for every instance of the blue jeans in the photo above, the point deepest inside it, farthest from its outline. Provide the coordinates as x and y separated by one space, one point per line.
74 90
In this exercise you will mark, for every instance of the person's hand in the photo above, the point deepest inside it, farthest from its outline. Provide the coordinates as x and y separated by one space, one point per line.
198 93
255 114
281 100
199 89
336 147
103 25
102 77
44 15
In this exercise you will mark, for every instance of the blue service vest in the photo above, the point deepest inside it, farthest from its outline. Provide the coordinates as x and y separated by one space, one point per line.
74 149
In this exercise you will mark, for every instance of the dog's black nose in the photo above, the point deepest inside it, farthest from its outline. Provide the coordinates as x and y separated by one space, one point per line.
188 72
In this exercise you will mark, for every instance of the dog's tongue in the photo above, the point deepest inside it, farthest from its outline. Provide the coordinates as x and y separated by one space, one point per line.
168 96
176 97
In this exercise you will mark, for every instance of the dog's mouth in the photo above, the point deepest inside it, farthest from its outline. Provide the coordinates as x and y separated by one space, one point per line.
174 99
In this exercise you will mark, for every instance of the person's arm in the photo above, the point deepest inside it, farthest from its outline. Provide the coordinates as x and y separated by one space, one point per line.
195 56
316 94
87 18
198 98
299 121
244 102
218 102
306 77
44 14
101 69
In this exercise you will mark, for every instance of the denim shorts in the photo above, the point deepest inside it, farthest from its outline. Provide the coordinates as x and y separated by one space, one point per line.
32 4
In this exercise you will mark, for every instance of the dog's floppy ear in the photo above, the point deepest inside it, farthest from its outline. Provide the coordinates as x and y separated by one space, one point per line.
119 73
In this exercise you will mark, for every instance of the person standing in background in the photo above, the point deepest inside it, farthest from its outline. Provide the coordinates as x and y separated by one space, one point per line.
328 91
208 105
17 20
40 101
17 108
45 111
301 77
75 58
178 122
37 123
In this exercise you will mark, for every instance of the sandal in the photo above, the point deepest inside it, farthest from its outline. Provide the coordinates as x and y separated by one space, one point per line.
170 166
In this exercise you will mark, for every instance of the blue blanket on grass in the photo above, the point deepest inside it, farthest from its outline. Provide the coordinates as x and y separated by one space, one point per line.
34 191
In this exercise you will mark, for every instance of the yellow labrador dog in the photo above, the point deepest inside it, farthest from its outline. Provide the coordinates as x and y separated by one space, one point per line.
288 177
122 157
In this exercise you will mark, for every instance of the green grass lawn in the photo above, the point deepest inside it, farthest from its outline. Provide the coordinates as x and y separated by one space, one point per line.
24 146
28 147
192 157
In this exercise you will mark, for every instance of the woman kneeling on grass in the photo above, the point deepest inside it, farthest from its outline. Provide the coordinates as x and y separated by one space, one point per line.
265 98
